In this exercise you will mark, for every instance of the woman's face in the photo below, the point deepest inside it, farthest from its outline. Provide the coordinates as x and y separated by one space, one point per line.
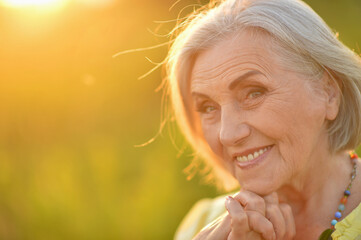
265 122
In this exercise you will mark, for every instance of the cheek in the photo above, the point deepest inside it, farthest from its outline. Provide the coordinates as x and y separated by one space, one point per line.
273 117
295 127
292 113
211 135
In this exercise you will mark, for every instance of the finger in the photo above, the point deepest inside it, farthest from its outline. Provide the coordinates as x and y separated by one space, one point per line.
258 223
287 213
275 216
218 229
250 235
216 222
251 201
222 229
271 198
239 219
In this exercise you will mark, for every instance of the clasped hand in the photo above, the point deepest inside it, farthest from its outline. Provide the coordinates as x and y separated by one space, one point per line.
252 217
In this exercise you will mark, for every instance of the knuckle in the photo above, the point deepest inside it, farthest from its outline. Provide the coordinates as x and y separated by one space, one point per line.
259 201
268 228
272 198
252 215
239 219
285 207
256 204
256 218
272 209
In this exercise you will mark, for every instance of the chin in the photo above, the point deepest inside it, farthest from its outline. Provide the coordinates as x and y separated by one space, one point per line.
259 188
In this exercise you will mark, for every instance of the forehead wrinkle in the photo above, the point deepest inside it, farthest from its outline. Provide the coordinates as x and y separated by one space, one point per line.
214 71
258 62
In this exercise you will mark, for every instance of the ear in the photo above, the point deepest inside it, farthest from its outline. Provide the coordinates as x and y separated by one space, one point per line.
333 95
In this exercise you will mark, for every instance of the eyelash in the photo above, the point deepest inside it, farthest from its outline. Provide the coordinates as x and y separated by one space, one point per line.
254 97
203 108
259 93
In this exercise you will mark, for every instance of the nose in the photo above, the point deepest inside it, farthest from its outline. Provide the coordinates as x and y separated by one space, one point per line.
233 129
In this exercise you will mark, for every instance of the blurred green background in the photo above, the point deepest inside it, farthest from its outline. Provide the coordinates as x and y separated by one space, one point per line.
70 115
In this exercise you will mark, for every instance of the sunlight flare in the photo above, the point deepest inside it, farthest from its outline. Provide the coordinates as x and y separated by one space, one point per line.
34 3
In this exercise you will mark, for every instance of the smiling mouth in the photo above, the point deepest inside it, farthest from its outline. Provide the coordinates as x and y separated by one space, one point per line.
251 156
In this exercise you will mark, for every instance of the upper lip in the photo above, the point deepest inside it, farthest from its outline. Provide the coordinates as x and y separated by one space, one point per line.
249 151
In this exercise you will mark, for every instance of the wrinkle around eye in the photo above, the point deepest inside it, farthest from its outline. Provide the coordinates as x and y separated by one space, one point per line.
252 102
259 93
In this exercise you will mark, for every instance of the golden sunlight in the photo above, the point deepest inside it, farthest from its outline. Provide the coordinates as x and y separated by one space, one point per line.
33 3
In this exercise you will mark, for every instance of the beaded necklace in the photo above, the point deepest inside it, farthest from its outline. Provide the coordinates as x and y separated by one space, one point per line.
326 235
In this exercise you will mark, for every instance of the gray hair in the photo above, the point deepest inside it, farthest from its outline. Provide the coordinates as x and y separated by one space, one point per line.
307 44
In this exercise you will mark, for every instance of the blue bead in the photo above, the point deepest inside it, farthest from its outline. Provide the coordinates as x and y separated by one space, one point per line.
347 192
338 215
341 207
333 222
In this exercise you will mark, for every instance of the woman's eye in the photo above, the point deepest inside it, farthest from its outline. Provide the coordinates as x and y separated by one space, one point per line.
209 109
254 97
206 108
254 94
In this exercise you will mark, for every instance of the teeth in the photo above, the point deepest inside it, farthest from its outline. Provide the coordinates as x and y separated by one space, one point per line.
250 157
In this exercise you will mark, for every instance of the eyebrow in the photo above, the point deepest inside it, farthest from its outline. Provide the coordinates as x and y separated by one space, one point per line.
241 78
234 83
200 95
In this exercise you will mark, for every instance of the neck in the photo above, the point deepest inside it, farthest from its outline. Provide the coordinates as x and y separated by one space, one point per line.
315 192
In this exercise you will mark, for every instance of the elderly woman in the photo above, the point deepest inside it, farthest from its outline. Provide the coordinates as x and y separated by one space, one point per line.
271 100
